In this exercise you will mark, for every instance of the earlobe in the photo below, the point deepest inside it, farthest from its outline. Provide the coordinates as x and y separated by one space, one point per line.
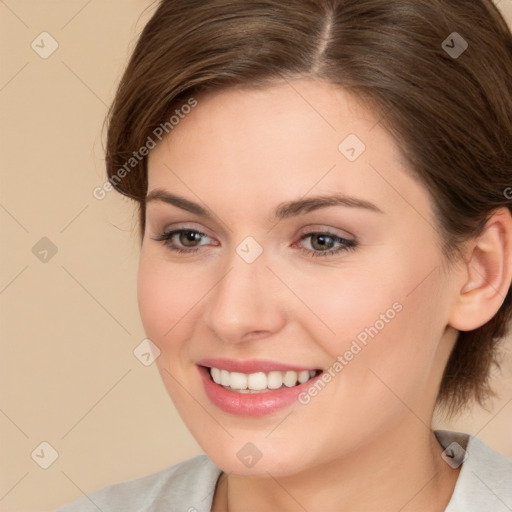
488 274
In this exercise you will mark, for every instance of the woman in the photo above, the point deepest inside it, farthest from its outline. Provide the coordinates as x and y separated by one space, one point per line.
326 248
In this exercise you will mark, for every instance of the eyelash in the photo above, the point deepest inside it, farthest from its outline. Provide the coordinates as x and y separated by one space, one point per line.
347 245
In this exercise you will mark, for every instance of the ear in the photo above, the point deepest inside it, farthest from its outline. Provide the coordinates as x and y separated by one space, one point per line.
486 274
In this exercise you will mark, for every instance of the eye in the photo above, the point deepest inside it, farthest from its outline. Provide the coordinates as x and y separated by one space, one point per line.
322 243
326 243
182 240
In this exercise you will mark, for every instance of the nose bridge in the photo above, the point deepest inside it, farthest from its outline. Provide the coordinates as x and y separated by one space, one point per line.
242 303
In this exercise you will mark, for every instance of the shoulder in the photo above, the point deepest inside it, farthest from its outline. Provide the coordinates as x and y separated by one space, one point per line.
186 486
485 478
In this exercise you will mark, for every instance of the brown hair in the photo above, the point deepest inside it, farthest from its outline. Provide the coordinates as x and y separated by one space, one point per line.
451 113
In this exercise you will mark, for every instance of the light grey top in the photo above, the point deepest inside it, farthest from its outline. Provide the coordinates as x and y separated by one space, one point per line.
484 483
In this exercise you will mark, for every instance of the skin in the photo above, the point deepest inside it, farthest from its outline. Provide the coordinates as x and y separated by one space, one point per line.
365 440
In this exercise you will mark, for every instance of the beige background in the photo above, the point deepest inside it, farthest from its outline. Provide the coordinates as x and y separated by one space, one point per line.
69 325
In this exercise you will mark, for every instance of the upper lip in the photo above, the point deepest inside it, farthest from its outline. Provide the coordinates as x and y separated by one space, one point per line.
250 365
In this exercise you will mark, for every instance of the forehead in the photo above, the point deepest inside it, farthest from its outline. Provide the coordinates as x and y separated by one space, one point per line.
281 116
274 144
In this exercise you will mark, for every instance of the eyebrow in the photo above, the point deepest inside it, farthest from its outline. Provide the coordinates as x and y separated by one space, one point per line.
283 211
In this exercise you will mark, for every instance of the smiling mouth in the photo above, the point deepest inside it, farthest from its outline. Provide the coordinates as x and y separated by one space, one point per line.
260 382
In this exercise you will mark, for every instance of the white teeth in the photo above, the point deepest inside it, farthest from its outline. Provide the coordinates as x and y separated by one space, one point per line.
257 381
215 373
290 379
274 380
224 378
238 380
260 381
303 376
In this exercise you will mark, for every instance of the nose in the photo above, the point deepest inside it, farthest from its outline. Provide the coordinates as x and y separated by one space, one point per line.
246 303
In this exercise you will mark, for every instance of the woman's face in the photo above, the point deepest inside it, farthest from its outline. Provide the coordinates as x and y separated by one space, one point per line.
309 248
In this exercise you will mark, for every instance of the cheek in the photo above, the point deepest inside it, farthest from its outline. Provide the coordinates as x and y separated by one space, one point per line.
165 297
345 303
153 300
387 318
166 300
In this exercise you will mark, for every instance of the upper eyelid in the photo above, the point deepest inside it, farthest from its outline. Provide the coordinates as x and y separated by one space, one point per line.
180 227
327 230
312 228
302 232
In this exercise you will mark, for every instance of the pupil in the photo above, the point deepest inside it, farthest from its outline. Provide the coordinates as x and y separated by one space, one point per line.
322 241
188 237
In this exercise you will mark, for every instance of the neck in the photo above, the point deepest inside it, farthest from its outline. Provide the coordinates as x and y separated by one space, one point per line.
400 470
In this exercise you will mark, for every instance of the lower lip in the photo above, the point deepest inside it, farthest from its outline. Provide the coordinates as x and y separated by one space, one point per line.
251 404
